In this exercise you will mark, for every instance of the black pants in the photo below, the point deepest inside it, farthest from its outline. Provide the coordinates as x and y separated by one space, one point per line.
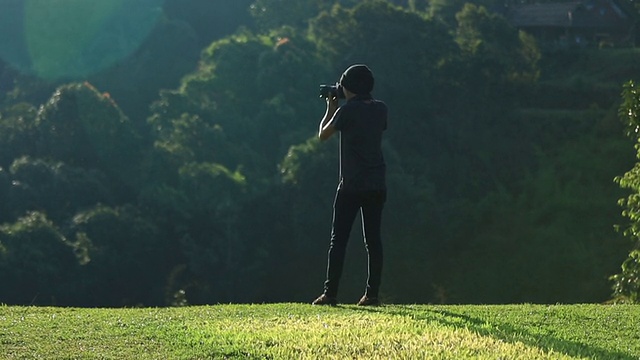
345 209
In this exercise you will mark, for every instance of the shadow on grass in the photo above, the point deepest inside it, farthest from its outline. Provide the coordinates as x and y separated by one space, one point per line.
503 332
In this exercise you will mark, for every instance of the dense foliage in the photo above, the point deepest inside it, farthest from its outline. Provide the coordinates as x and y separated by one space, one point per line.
190 173
627 282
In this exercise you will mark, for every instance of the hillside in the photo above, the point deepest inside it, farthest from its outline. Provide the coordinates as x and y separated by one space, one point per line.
578 79
190 173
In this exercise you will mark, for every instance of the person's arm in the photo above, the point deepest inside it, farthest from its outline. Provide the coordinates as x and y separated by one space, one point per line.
327 128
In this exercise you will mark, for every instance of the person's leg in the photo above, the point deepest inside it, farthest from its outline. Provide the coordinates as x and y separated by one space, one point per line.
345 209
373 204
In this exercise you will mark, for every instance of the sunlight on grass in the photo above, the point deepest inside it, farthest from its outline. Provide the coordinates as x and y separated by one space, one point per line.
348 334
301 331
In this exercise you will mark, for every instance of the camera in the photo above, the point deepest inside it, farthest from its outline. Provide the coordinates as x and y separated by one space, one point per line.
331 90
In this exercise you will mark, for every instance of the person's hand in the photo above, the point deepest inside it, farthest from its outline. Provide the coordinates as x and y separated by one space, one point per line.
332 102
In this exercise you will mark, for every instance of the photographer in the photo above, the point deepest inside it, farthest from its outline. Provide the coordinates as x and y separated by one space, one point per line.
362 187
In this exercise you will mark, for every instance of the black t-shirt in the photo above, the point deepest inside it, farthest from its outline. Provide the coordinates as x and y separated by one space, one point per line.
361 122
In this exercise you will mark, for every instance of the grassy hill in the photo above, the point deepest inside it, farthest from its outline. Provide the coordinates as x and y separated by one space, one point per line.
301 331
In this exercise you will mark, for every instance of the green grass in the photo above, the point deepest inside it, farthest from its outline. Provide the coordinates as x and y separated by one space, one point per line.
300 331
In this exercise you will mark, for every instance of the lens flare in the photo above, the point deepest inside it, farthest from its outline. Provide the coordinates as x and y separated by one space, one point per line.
71 39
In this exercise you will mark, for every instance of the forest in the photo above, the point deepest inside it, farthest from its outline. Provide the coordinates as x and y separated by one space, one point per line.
165 153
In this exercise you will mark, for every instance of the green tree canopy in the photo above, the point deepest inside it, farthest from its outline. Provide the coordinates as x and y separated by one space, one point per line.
38 263
125 260
626 284
17 132
54 187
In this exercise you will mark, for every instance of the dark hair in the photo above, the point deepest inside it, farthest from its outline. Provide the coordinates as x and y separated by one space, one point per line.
358 79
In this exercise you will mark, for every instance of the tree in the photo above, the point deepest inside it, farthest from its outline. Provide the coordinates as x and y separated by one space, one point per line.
17 132
211 19
251 92
524 244
493 68
234 117
5 186
410 81
309 173
202 214
499 56
85 128
446 10
413 84
626 284
449 115
38 266
57 189
125 260
418 5
272 14
216 256
202 203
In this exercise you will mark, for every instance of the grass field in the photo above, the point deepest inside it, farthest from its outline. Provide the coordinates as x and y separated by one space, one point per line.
301 331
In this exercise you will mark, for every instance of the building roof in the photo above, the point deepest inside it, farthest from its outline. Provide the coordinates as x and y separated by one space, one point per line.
589 13
548 14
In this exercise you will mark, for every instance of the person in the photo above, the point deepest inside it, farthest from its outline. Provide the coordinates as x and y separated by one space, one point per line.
361 122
